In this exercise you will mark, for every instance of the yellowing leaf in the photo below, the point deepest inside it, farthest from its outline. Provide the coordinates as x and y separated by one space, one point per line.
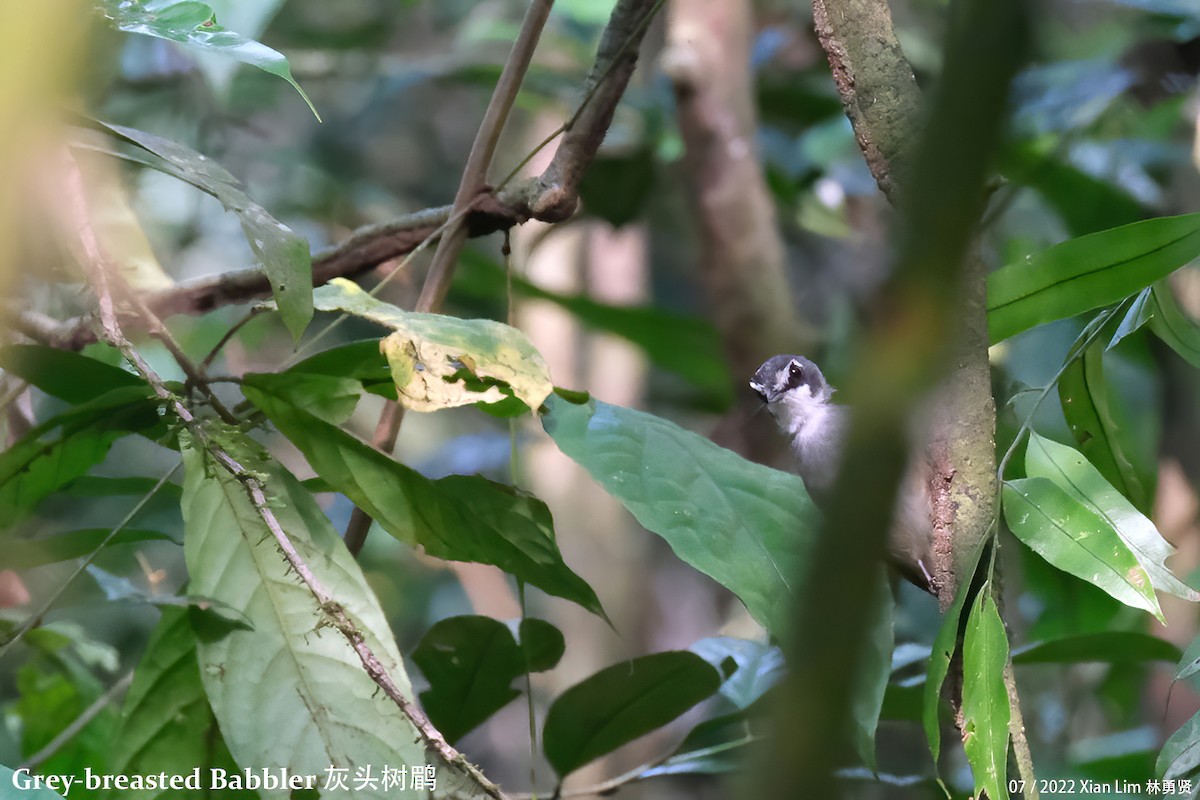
443 362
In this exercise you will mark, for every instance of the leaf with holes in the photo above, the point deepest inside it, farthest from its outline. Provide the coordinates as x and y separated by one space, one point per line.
985 701
443 362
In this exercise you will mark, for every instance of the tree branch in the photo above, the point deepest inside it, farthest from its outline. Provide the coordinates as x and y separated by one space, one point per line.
549 197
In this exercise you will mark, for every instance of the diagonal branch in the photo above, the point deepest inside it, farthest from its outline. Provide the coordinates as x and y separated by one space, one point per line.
549 197
107 284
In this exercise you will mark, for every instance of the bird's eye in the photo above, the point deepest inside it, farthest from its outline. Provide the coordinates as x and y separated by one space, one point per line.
795 375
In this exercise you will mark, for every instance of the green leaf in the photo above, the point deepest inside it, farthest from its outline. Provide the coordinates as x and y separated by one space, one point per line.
867 700
1088 272
64 447
470 663
1173 325
1075 539
945 644
29 553
290 673
985 701
621 703
1189 662
459 518
1140 312
1180 755
1109 647
166 723
442 362
101 486
747 526
284 254
542 644
1075 475
194 25
52 693
686 346
63 374
615 187
1103 439
327 398
1086 204
361 361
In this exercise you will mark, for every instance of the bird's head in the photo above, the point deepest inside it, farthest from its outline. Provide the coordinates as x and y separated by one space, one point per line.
792 387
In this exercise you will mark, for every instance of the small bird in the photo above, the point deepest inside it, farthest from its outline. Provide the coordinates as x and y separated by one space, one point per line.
801 400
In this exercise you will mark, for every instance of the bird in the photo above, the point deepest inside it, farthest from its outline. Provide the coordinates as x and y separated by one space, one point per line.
800 399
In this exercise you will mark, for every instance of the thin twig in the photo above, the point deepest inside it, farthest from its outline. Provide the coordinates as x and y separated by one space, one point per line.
34 619
79 723
474 179
611 785
208 360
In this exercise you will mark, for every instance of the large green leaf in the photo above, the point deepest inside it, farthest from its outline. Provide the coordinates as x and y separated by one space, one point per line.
1076 476
471 662
985 706
622 702
459 518
283 253
1102 437
194 24
747 526
1088 272
166 723
441 362
290 693
1077 540
1173 325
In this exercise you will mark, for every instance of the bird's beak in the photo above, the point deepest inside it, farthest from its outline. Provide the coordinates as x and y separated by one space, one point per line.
759 390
